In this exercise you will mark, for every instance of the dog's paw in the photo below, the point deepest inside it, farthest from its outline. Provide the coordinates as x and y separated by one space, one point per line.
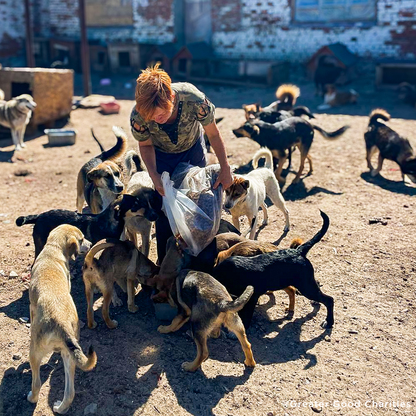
187 366
113 324
18 148
133 308
374 172
163 329
93 325
23 144
250 363
31 399
57 408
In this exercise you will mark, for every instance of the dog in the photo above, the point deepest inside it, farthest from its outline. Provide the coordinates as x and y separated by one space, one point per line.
119 262
390 145
141 187
205 302
275 271
15 114
249 248
334 98
99 180
248 192
53 315
281 136
327 72
407 93
108 224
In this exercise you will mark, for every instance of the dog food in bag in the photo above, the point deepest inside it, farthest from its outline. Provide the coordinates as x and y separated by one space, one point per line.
192 206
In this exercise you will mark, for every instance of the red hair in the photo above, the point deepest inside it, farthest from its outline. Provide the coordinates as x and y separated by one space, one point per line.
153 90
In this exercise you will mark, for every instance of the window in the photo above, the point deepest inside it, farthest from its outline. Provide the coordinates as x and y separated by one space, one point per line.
124 59
334 10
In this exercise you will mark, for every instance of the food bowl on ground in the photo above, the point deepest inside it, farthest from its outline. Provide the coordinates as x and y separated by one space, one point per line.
61 137
112 107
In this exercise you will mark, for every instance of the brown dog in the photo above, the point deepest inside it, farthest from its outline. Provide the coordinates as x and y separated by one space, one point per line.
120 262
249 248
334 98
207 304
53 316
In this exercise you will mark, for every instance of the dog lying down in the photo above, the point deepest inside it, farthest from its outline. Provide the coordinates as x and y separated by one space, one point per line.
275 271
53 315
119 262
205 302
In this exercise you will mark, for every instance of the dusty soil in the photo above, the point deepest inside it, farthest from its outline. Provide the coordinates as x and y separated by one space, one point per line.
367 362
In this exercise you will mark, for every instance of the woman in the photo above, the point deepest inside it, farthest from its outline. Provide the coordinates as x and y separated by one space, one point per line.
169 120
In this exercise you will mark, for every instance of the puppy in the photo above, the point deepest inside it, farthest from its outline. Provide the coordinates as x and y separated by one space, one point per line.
141 187
108 224
248 193
15 114
250 248
99 181
281 136
327 72
207 304
275 271
120 262
53 315
334 98
390 145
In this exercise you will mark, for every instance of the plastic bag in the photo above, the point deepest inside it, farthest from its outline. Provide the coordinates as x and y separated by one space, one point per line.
192 206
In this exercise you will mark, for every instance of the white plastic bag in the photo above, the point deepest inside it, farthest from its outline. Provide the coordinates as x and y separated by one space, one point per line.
192 206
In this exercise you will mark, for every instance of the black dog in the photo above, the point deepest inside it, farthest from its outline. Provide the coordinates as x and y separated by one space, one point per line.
275 271
326 73
279 137
108 224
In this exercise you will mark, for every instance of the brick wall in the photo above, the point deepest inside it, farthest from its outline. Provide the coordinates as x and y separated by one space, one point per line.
266 31
12 33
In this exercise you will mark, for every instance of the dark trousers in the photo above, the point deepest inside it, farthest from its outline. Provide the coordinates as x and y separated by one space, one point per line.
167 162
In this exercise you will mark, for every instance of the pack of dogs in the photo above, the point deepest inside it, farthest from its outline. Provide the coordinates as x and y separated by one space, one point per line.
219 287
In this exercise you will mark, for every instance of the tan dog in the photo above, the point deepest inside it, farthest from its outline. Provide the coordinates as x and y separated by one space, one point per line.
251 248
99 180
120 262
15 114
53 316
334 98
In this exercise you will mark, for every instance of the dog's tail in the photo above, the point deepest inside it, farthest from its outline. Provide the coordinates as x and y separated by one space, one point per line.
101 245
98 142
305 247
120 147
28 219
84 362
237 304
288 94
331 135
296 242
301 110
133 159
378 113
267 154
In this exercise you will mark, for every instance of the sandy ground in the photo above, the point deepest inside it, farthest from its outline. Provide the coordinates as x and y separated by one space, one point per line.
364 366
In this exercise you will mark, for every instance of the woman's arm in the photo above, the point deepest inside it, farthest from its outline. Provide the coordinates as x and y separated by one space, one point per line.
214 136
147 152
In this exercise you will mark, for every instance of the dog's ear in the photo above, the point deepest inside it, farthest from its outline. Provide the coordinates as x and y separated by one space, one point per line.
245 184
92 175
244 106
73 246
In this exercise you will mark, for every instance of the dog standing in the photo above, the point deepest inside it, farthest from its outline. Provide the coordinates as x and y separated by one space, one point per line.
98 181
248 193
120 262
390 144
53 315
207 304
334 98
275 271
15 114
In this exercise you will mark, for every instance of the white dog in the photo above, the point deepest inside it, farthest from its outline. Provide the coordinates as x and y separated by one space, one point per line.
248 192
16 114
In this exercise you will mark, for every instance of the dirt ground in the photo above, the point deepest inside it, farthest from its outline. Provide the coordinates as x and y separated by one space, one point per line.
364 366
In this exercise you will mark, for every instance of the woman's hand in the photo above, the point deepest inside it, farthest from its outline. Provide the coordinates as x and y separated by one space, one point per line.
225 178
157 182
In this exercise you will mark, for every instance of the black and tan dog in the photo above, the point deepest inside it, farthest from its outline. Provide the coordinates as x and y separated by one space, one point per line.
53 315
108 224
119 262
281 136
390 145
275 271
99 180
205 302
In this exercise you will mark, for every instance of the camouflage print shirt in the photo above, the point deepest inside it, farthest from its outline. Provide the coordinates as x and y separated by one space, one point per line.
194 111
